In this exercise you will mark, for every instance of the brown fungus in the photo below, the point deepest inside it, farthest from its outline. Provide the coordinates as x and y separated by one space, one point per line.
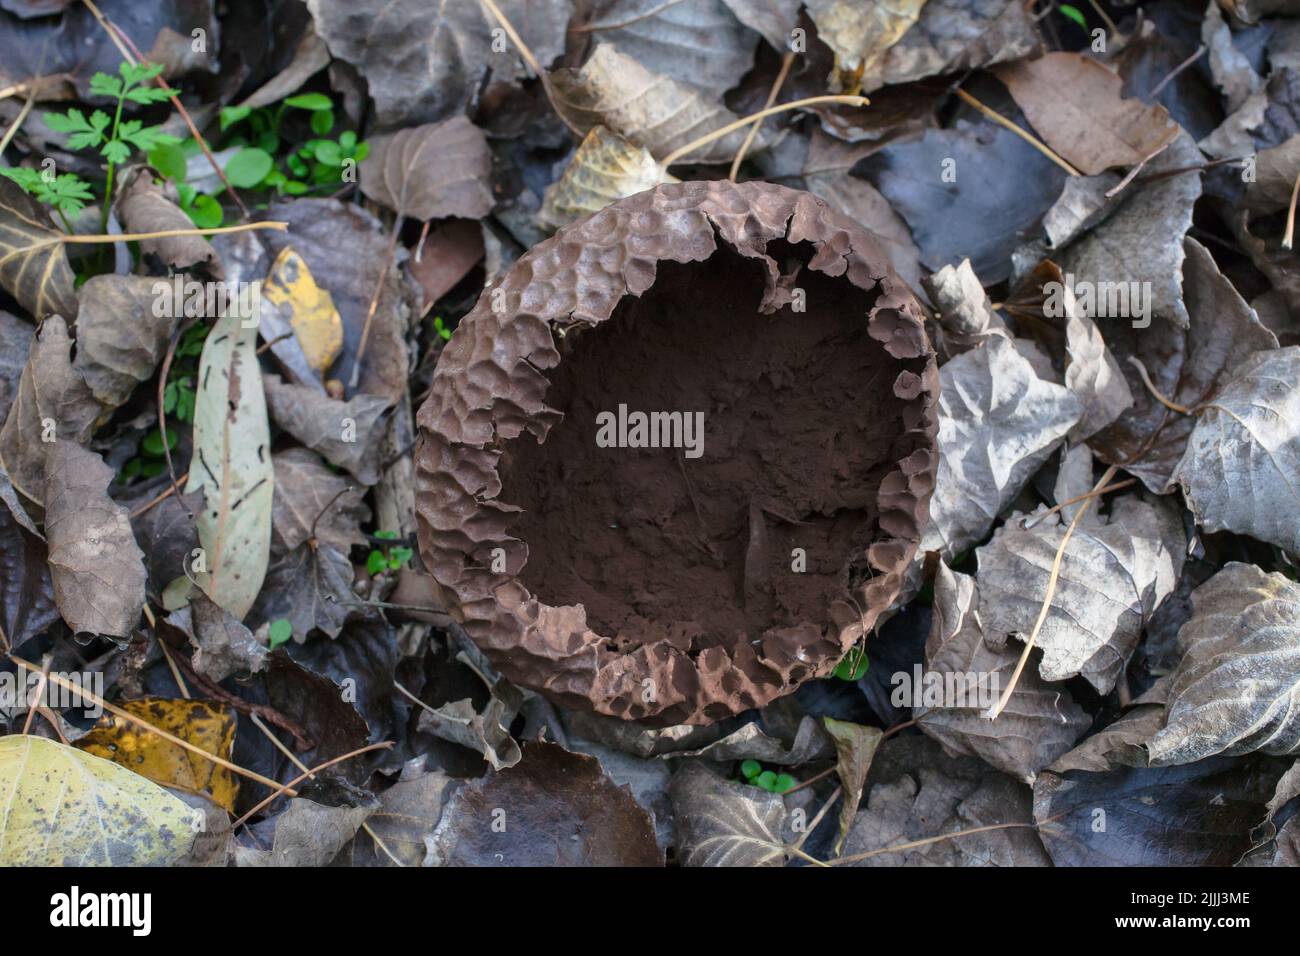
688 583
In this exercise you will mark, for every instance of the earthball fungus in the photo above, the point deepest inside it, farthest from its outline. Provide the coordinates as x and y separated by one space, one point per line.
676 461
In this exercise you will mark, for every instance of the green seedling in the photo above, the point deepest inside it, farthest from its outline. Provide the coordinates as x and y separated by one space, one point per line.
279 633
853 667
1073 13
319 162
390 558
441 328
768 780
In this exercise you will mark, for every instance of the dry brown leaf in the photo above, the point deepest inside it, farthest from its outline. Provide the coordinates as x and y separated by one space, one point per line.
33 264
431 171
604 168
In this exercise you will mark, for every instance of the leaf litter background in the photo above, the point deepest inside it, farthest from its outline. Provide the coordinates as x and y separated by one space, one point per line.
1164 681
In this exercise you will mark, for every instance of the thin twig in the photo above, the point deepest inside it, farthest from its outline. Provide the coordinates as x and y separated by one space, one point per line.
1290 215
1034 520
997 708
40 689
18 121
1173 74
620 24
914 844
1026 136
161 234
150 505
1155 392
140 722
786 62
531 60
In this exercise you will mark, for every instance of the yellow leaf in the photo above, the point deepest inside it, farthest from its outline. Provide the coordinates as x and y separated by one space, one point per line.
309 308
62 807
204 724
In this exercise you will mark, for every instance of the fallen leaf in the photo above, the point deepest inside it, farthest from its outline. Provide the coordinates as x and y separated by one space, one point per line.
424 64
294 303
1142 241
53 405
646 108
33 263
394 835
346 434
966 314
1074 103
724 823
27 605
223 647
860 36
431 171
311 588
167 535
447 255
752 742
96 566
774 19
855 746
1238 472
1040 722
68 808
604 168
16 337
702 42
232 465
1232 691
145 208
1112 578
1230 67
205 724
553 808
304 834
121 337
998 423
1186 365
310 499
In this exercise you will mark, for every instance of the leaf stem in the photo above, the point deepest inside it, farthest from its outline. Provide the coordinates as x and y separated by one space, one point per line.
1029 138
722 131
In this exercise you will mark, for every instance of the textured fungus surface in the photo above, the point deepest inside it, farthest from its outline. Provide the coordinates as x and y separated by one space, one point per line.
651 583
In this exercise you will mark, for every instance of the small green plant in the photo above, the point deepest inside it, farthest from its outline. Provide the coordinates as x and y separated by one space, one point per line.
68 193
152 458
280 631
441 328
391 558
1073 13
114 137
768 780
854 665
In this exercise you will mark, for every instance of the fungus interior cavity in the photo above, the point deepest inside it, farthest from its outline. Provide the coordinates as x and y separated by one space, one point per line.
800 427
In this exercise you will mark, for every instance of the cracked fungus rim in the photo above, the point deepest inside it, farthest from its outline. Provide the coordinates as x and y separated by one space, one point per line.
489 389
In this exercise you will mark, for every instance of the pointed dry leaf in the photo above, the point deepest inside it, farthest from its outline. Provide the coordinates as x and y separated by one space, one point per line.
774 19
26 594
1112 578
305 834
394 834
346 434
855 746
724 823
966 314
309 587
487 732
604 168
1239 470
1040 722
121 335
223 647
68 808
232 465
97 568
309 496
431 171
33 263
998 423
145 208
1234 690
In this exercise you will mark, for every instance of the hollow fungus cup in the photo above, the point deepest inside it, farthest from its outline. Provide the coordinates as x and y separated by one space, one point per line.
677 460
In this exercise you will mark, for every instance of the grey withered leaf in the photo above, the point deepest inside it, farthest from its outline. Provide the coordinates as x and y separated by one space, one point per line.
346 434
305 834
308 494
486 732
701 42
916 792
1142 241
998 423
95 564
53 404
1234 688
408 812
431 171
855 746
1112 578
1239 470
560 809
424 62
774 19
659 112
1040 722
724 823
123 328
33 262
966 316
223 646
1186 365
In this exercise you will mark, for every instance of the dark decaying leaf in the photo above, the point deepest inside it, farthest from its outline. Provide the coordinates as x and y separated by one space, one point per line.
751 741
33 263
310 587
167 535
424 63
448 254
223 646
305 834
27 605
121 337
486 732
408 812
53 405
724 823
774 19
362 661
431 171
855 747
1233 689
915 792
553 808
96 566
310 499
15 341
346 434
